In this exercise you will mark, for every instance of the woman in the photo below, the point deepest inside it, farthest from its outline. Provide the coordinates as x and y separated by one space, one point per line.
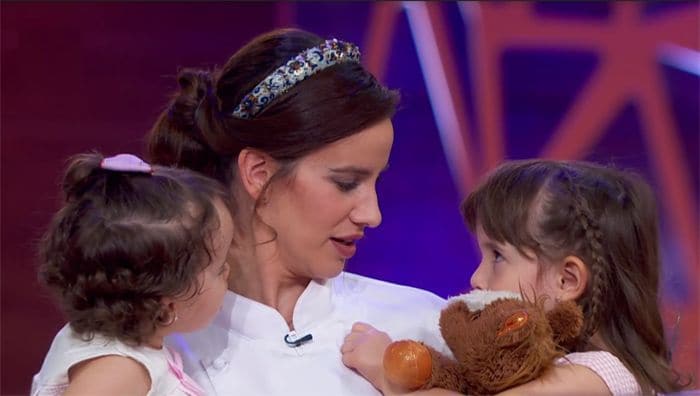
300 132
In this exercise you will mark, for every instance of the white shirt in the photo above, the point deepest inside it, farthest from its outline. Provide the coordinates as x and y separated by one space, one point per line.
243 352
69 349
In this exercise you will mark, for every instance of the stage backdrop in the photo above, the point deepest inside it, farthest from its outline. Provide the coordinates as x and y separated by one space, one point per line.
614 83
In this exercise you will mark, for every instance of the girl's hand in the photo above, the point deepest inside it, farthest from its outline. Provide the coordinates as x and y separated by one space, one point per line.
363 350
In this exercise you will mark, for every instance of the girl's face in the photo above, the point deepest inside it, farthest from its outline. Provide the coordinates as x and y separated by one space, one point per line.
504 268
321 213
197 312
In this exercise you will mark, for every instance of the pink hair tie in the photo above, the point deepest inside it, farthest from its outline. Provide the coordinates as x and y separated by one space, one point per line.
126 163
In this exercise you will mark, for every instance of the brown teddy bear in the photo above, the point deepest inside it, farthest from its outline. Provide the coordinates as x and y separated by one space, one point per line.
498 341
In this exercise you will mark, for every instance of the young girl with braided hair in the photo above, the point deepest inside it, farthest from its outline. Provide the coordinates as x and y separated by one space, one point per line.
136 253
569 231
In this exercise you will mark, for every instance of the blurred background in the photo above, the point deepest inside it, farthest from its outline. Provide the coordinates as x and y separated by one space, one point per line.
481 82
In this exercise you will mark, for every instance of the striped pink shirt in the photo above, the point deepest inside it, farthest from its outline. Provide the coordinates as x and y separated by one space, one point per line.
619 380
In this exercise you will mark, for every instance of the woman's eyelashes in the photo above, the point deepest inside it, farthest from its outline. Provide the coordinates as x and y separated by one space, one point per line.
346 186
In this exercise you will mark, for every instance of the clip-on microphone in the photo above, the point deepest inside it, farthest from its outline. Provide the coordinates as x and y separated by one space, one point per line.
295 343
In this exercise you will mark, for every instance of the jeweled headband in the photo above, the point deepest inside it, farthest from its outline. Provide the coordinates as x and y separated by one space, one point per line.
297 69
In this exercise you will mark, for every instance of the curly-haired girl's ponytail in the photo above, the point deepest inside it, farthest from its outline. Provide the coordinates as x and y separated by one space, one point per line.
79 175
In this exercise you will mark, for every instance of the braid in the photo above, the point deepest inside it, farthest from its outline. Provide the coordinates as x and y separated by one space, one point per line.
608 219
593 237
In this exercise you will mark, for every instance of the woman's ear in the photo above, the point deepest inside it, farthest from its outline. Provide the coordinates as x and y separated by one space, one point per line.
255 169
572 279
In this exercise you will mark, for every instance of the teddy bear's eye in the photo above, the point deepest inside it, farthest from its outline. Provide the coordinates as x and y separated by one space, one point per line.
514 322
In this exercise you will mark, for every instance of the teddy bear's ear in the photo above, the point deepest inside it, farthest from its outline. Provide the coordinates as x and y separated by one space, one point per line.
454 319
566 321
457 308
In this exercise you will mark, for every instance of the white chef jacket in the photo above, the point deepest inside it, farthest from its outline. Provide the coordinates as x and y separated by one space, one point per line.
243 352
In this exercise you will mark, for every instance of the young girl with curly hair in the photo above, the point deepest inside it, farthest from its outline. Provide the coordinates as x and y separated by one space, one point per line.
136 253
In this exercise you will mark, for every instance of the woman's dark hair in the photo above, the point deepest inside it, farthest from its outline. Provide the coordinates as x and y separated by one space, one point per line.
606 217
197 130
125 240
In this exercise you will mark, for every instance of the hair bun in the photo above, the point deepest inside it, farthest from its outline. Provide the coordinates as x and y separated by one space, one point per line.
195 89
179 136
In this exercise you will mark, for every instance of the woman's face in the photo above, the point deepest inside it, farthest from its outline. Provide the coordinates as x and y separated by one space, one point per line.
322 211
